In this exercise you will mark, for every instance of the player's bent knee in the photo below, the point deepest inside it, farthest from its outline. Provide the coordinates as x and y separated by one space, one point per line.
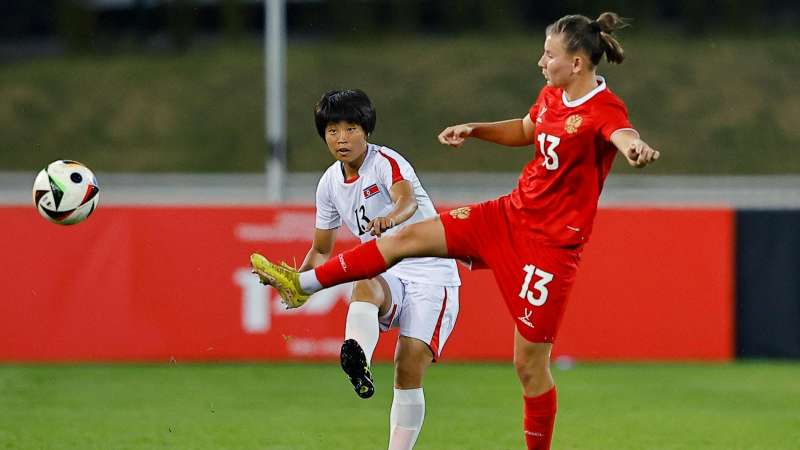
408 372
531 367
411 360
408 376
534 375
371 291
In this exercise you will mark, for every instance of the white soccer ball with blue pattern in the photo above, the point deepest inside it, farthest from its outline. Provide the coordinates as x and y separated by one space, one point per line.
66 192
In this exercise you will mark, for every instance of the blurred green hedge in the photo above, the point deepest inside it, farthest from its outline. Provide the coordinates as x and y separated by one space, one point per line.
723 105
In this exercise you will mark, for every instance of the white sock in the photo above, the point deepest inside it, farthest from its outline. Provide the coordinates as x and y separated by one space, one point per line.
362 325
405 421
309 282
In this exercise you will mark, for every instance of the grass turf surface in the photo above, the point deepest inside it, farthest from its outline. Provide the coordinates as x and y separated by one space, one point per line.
469 406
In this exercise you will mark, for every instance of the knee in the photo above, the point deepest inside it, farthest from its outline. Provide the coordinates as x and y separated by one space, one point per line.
532 371
410 362
407 376
370 291
521 368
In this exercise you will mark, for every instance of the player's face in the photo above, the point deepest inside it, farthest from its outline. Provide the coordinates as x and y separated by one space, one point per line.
346 141
556 63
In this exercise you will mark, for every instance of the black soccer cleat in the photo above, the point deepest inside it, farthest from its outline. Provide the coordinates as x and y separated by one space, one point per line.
354 364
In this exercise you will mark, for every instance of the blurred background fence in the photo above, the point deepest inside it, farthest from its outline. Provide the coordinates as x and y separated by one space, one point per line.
178 86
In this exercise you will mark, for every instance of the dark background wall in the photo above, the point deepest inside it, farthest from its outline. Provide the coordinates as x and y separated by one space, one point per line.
77 20
768 284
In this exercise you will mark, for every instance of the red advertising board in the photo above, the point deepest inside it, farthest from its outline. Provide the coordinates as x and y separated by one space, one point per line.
156 283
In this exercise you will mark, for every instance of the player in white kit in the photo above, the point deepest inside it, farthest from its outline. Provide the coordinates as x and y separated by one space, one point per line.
373 190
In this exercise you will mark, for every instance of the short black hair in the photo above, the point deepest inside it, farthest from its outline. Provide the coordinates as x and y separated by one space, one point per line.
349 105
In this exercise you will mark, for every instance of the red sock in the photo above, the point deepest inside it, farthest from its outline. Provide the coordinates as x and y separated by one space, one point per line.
360 262
539 418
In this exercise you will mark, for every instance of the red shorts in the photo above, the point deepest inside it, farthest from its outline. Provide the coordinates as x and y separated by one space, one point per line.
534 279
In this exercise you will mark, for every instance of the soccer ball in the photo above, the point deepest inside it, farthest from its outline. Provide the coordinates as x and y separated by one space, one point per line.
66 192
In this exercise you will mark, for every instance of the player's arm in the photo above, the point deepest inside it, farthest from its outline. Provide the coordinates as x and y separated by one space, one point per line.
321 249
512 133
635 150
405 205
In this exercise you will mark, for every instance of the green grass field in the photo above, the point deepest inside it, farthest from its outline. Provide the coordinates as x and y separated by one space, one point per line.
747 406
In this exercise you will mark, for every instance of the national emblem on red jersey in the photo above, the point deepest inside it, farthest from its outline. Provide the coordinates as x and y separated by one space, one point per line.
460 213
572 123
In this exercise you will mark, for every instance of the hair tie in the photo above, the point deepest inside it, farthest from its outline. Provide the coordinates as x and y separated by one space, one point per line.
595 26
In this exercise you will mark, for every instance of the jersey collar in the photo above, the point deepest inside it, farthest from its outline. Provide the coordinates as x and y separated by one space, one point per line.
343 178
601 86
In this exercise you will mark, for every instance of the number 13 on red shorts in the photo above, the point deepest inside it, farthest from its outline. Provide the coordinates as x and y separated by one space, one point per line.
540 285
534 294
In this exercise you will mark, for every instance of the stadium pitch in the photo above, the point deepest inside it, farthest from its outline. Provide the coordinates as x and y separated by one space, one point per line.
743 405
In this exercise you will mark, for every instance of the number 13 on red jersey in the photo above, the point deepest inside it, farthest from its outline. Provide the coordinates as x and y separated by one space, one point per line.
540 285
548 144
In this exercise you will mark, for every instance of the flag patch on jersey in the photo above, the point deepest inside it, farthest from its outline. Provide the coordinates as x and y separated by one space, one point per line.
369 191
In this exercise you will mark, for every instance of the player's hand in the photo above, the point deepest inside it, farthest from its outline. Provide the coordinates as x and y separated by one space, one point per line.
455 135
639 154
378 225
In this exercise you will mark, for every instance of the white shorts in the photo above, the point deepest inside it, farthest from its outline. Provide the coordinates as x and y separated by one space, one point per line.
427 312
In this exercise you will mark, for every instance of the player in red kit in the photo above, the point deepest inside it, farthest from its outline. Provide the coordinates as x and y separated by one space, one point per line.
532 238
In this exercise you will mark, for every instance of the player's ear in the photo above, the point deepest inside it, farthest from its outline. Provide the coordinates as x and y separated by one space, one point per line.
578 63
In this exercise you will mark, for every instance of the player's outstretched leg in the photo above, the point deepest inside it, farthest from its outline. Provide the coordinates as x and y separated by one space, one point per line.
363 261
354 364
283 278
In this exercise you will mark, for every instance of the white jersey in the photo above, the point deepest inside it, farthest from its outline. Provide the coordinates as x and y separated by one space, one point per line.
358 201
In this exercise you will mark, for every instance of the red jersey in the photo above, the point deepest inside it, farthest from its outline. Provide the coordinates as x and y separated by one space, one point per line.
556 197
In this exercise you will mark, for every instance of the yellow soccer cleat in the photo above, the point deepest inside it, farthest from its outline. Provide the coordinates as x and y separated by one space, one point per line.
283 278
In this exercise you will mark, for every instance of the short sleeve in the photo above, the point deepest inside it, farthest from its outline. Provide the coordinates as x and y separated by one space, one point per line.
393 168
327 215
613 117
